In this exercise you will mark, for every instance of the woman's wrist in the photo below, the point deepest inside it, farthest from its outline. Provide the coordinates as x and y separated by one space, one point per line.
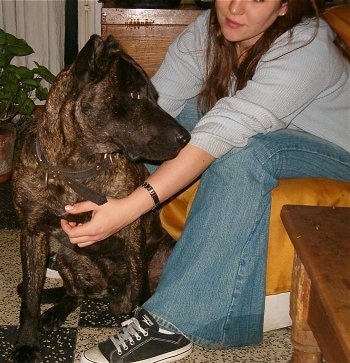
152 193
139 202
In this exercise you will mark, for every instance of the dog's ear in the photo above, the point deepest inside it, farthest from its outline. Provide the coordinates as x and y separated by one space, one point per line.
94 60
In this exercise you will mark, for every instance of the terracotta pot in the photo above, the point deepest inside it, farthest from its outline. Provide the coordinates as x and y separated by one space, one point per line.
7 145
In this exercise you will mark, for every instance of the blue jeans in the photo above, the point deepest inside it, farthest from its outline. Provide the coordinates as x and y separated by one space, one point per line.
213 286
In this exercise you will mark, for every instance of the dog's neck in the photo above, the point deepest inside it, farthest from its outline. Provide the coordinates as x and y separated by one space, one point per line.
70 176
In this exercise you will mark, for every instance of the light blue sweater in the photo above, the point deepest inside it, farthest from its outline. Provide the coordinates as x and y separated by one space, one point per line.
295 86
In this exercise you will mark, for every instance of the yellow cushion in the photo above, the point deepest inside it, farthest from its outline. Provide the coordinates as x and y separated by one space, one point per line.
173 215
338 17
308 191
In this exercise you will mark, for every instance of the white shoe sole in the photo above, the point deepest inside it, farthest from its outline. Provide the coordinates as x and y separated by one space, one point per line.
164 358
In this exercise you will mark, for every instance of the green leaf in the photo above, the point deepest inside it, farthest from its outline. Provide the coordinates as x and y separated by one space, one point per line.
6 57
27 107
3 60
9 89
41 93
21 71
18 47
43 72
31 82
2 37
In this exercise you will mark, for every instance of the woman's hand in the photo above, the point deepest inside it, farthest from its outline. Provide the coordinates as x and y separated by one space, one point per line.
171 177
105 221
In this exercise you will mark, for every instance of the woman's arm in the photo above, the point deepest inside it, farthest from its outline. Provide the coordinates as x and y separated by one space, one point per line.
289 79
181 75
171 177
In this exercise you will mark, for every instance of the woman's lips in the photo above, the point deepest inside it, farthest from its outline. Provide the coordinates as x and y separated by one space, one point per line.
233 24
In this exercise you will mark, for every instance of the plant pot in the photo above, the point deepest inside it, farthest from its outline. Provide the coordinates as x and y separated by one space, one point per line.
7 146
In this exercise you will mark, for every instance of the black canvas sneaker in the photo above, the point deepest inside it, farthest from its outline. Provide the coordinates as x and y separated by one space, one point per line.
140 340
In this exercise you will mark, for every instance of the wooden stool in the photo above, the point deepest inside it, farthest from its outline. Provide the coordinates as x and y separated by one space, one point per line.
320 296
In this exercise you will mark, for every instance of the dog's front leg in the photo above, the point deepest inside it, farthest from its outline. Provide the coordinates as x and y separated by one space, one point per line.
34 251
136 258
138 271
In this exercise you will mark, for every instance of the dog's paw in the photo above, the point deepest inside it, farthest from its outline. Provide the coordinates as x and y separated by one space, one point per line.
26 354
121 303
51 321
118 308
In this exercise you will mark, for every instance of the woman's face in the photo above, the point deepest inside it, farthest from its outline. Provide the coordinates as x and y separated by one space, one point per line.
245 21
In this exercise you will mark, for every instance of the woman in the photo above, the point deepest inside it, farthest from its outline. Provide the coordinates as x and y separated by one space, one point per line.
274 92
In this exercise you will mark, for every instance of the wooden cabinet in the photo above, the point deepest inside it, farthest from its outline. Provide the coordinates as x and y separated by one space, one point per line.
145 34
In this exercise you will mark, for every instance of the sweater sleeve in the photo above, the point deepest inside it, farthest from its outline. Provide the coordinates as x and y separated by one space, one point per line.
288 78
181 74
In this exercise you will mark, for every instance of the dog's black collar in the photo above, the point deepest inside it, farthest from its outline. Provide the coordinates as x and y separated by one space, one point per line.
55 171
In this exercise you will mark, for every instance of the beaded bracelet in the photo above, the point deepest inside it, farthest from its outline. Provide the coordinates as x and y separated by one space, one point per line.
152 193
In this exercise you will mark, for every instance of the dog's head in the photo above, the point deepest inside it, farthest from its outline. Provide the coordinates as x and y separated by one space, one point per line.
116 105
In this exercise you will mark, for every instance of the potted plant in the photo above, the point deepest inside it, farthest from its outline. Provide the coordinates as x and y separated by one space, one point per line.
19 88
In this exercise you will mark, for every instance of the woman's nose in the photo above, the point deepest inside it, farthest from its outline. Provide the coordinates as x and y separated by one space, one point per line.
236 7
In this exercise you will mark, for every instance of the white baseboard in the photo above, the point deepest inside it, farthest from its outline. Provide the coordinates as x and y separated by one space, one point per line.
277 312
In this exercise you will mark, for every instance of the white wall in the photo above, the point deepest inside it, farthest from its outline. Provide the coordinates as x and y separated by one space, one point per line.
89 20
41 23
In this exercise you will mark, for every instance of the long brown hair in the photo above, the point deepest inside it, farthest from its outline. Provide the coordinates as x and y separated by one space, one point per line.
226 62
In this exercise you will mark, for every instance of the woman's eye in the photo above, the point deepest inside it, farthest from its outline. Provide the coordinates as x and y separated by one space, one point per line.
135 95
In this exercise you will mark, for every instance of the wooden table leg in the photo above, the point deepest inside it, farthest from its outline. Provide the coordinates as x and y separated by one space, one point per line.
305 347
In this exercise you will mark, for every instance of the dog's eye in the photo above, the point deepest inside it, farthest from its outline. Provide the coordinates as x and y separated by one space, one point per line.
135 95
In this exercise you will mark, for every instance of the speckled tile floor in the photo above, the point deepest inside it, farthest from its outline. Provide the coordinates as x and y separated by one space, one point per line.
92 323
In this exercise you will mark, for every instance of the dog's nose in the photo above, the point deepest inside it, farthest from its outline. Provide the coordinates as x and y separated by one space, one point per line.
183 138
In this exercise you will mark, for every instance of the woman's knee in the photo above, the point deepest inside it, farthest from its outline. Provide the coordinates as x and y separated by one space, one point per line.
252 156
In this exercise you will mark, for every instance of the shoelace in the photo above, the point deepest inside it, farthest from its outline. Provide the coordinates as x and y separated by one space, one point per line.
130 328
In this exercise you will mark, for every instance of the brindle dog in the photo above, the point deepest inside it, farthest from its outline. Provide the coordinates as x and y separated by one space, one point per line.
100 121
